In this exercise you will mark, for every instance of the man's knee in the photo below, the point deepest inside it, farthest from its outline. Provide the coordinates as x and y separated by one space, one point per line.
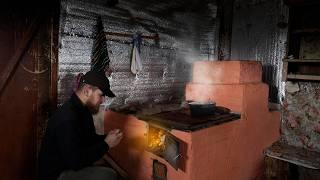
90 173
105 173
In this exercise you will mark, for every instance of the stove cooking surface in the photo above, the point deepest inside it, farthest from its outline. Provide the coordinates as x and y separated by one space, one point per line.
182 120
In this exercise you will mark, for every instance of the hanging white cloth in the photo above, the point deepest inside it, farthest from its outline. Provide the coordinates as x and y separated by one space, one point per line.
136 64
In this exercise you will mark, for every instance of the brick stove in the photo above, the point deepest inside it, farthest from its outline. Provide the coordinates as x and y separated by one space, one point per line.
228 150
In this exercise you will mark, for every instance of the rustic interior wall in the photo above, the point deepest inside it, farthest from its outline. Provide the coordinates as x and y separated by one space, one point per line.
259 32
301 108
187 31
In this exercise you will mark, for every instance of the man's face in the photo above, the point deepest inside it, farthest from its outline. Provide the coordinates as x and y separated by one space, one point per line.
95 99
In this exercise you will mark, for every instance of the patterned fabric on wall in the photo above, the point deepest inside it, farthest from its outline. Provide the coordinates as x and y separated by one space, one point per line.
301 115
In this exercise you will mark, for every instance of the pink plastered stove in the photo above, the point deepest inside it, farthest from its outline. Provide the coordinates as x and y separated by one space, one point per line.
223 147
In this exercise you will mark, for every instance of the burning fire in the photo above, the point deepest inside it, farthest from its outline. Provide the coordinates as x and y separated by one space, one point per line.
156 138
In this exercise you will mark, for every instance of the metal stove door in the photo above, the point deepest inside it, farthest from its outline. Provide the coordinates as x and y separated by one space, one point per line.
162 143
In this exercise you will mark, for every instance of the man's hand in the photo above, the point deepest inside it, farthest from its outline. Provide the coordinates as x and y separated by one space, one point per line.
113 138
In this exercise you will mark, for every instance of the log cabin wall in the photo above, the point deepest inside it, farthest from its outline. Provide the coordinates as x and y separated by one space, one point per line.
259 32
186 32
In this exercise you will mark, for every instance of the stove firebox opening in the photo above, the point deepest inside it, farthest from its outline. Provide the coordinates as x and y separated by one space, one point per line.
165 145
156 138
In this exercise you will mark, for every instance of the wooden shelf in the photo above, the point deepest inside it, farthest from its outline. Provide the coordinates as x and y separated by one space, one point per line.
295 155
301 69
302 60
306 31
303 77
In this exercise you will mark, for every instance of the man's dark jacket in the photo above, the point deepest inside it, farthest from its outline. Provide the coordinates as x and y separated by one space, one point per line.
70 142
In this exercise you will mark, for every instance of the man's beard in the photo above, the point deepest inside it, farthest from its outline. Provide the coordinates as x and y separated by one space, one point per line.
94 109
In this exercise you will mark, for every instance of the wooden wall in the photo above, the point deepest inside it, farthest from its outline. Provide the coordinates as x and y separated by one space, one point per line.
27 92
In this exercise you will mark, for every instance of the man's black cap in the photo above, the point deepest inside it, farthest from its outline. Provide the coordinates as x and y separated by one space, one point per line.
98 79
